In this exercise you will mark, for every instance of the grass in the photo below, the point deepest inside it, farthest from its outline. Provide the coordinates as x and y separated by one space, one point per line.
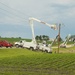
17 61
65 50
12 39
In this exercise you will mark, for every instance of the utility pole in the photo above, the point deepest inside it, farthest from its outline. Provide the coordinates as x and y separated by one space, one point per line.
59 37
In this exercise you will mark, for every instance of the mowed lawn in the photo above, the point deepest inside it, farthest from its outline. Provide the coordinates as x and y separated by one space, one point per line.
17 61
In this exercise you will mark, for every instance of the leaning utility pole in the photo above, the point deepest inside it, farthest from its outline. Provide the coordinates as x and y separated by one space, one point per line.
59 37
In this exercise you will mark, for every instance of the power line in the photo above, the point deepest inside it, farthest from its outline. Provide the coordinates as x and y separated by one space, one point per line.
17 10
14 9
13 14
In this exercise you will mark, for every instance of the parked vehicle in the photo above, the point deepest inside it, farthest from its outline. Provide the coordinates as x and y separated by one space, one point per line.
19 43
5 43
33 43
30 45
24 44
45 47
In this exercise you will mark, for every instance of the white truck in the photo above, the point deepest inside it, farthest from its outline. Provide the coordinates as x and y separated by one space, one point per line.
45 48
19 43
30 45
24 44
33 45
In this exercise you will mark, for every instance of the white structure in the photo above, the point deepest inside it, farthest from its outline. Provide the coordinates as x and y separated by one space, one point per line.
63 45
33 44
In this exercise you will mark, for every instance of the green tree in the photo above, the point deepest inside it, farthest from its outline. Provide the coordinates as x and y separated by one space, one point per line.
42 37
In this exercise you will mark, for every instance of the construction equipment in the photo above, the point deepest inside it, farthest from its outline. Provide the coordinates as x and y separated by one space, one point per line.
63 45
33 43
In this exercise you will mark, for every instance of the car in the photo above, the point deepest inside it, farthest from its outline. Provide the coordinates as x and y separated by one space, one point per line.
4 43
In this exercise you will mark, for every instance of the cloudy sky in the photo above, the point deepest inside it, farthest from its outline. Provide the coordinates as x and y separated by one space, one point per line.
14 17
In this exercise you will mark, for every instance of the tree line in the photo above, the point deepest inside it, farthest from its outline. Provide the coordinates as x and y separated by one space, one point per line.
42 37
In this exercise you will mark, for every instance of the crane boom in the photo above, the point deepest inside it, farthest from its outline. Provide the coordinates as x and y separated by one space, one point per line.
63 45
50 25
31 24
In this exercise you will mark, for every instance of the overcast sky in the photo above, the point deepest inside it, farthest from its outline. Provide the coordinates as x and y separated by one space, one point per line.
14 17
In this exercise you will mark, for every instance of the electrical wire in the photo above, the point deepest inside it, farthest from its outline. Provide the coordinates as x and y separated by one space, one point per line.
15 9
13 14
20 11
13 20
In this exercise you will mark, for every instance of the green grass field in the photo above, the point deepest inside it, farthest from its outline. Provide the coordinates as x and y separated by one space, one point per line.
17 61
